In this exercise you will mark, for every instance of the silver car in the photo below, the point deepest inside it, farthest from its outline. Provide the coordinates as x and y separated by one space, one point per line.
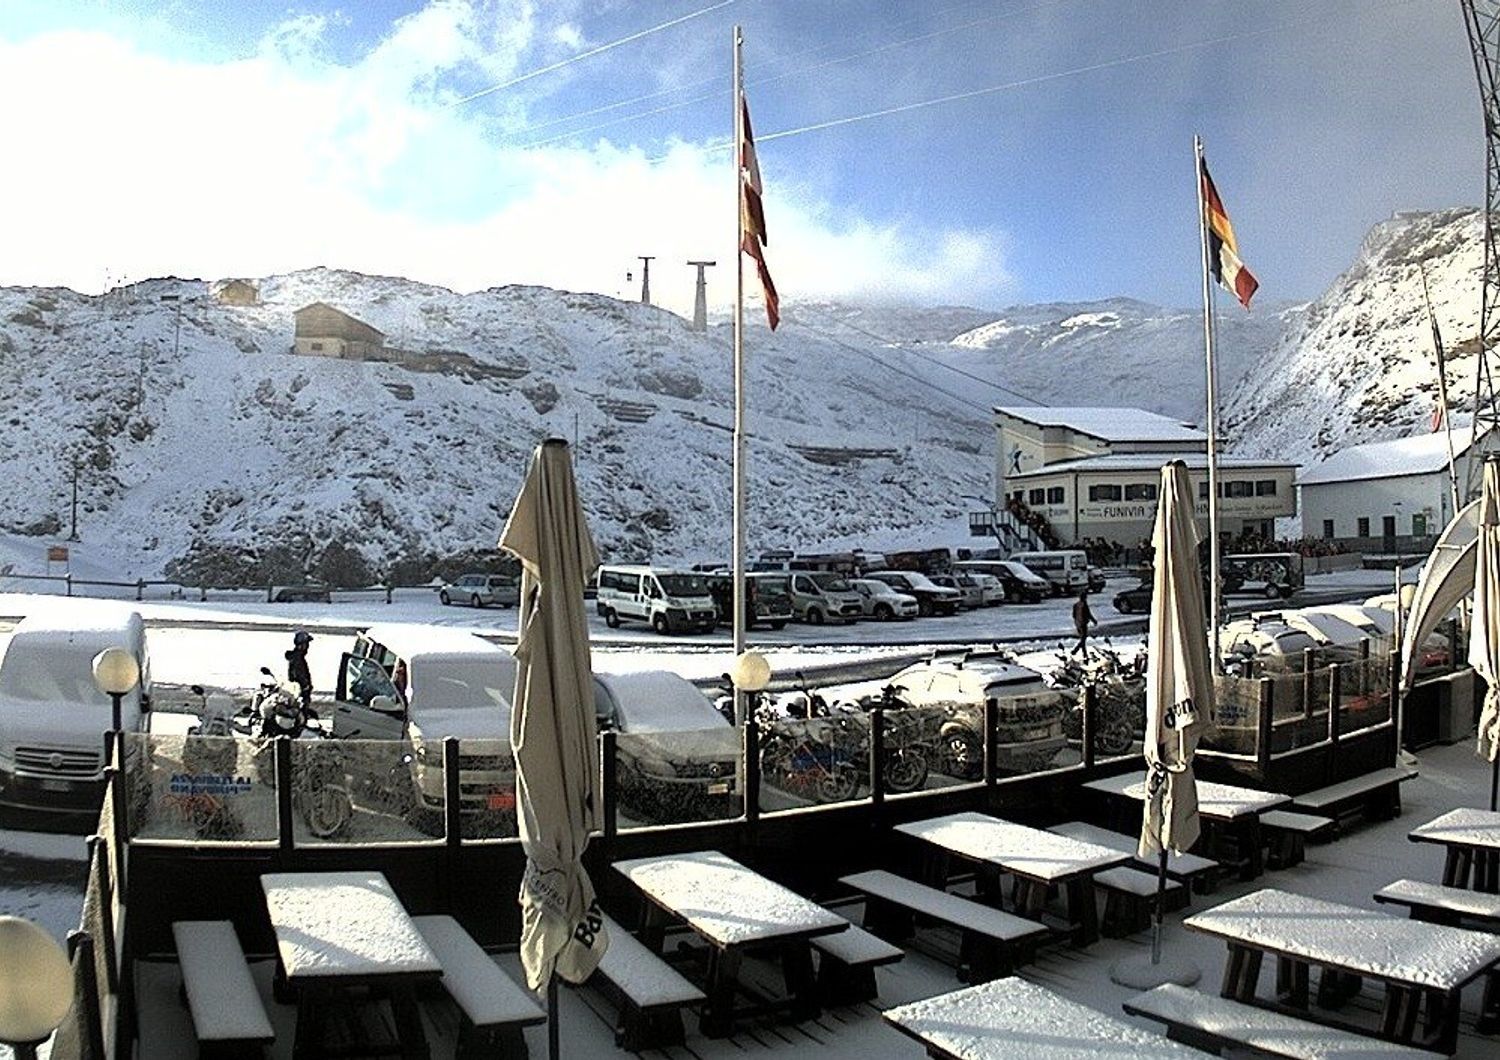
482 590
879 600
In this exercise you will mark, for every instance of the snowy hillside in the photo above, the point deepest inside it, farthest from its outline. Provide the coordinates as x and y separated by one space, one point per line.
1117 352
252 462
1358 366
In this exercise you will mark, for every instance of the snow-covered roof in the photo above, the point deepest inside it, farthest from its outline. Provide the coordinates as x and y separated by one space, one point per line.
1148 462
1421 454
1107 424
412 640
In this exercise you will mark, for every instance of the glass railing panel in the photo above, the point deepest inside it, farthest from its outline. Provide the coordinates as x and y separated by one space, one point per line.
678 777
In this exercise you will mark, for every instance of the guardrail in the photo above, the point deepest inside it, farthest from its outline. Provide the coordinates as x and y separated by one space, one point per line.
182 589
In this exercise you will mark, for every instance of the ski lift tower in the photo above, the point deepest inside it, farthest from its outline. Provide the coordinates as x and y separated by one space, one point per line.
1482 19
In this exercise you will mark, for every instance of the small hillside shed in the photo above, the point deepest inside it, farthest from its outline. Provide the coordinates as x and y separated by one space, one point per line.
237 292
323 331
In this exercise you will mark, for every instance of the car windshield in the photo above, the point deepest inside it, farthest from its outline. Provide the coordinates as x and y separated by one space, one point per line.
683 584
777 585
460 684
834 583
918 581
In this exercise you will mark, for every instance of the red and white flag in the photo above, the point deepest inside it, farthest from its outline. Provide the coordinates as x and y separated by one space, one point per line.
753 239
1223 252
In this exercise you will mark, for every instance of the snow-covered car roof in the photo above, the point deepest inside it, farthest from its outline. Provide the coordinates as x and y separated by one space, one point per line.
412 641
658 701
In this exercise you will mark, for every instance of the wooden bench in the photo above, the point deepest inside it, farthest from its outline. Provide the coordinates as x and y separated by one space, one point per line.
1442 905
1129 898
1213 1023
494 1006
647 991
846 964
229 1018
992 942
1376 795
1286 834
1193 871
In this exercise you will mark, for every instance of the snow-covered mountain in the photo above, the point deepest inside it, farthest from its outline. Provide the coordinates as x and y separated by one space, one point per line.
218 453
1358 366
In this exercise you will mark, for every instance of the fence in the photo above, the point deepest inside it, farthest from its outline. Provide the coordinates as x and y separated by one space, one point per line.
173 590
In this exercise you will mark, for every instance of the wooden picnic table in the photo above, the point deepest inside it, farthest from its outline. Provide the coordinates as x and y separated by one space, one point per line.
1471 839
732 908
1230 815
1418 962
342 932
1012 1019
1037 860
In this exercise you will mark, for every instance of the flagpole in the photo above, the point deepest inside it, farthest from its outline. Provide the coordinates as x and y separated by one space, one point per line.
1437 351
738 564
1212 387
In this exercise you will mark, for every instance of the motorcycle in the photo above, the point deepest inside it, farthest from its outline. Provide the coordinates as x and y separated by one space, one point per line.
1119 697
320 789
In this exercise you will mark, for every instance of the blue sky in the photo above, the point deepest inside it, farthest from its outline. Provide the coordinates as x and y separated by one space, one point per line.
214 139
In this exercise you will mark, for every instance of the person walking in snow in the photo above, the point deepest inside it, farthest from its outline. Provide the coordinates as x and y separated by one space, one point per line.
297 671
1082 617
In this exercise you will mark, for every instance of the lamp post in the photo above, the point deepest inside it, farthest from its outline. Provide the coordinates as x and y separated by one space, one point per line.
116 673
751 674
36 986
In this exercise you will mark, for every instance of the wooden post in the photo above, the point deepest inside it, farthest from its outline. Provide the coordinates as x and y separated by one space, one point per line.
81 956
282 758
99 859
991 742
750 797
453 830
1264 716
1309 662
608 772
877 757
1335 693
1086 727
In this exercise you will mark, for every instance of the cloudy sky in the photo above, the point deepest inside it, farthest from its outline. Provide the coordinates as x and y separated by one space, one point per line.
431 140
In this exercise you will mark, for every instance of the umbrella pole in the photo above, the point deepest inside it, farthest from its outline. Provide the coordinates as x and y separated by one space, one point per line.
552 1026
1161 906
1494 780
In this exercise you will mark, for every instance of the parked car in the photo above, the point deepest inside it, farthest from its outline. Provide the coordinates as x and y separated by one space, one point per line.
822 596
669 600
53 717
1067 569
768 600
676 756
301 594
1018 582
482 590
1097 581
418 684
1137 599
990 589
969 594
1030 717
879 600
1269 574
1273 642
931 599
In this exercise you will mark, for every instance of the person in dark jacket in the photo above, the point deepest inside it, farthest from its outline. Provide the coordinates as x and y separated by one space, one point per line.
297 671
1082 618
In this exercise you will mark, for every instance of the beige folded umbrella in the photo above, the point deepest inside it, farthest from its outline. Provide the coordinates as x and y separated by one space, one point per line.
1484 629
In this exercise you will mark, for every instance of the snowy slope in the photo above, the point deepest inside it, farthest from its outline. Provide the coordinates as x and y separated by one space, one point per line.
1358 366
235 444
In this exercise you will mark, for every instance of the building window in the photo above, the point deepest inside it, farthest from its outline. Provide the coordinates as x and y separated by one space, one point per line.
1054 495
1018 496
316 346
1037 497
1141 491
1419 525
1328 529
1265 487
1363 527
1240 488
1104 493
1203 491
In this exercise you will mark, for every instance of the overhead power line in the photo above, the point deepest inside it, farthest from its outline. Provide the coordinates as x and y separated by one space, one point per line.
591 52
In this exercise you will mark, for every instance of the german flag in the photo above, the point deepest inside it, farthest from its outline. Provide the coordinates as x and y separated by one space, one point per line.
753 239
1223 251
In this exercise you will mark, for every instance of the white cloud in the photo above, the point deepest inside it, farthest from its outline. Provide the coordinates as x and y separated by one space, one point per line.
125 162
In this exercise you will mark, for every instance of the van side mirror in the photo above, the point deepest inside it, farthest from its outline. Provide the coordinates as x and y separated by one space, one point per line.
387 705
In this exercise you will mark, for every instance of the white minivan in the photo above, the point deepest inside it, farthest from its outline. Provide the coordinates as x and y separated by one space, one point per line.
52 716
1067 569
670 601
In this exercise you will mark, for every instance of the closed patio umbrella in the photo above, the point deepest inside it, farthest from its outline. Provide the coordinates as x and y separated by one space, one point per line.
1484 631
552 729
1179 696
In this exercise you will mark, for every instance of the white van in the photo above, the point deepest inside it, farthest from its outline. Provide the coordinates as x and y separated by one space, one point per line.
1067 569
671 601
420 684
53 717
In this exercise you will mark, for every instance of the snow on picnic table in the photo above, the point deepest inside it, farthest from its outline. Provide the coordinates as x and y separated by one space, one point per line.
724 901
1357 940
1011 1017
336 924
1024 850
1465 826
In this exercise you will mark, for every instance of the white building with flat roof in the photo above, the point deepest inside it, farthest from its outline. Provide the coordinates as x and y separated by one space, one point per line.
1383 496
1092 473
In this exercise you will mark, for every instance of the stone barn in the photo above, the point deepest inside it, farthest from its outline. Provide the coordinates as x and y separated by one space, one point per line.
238 292
323 331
